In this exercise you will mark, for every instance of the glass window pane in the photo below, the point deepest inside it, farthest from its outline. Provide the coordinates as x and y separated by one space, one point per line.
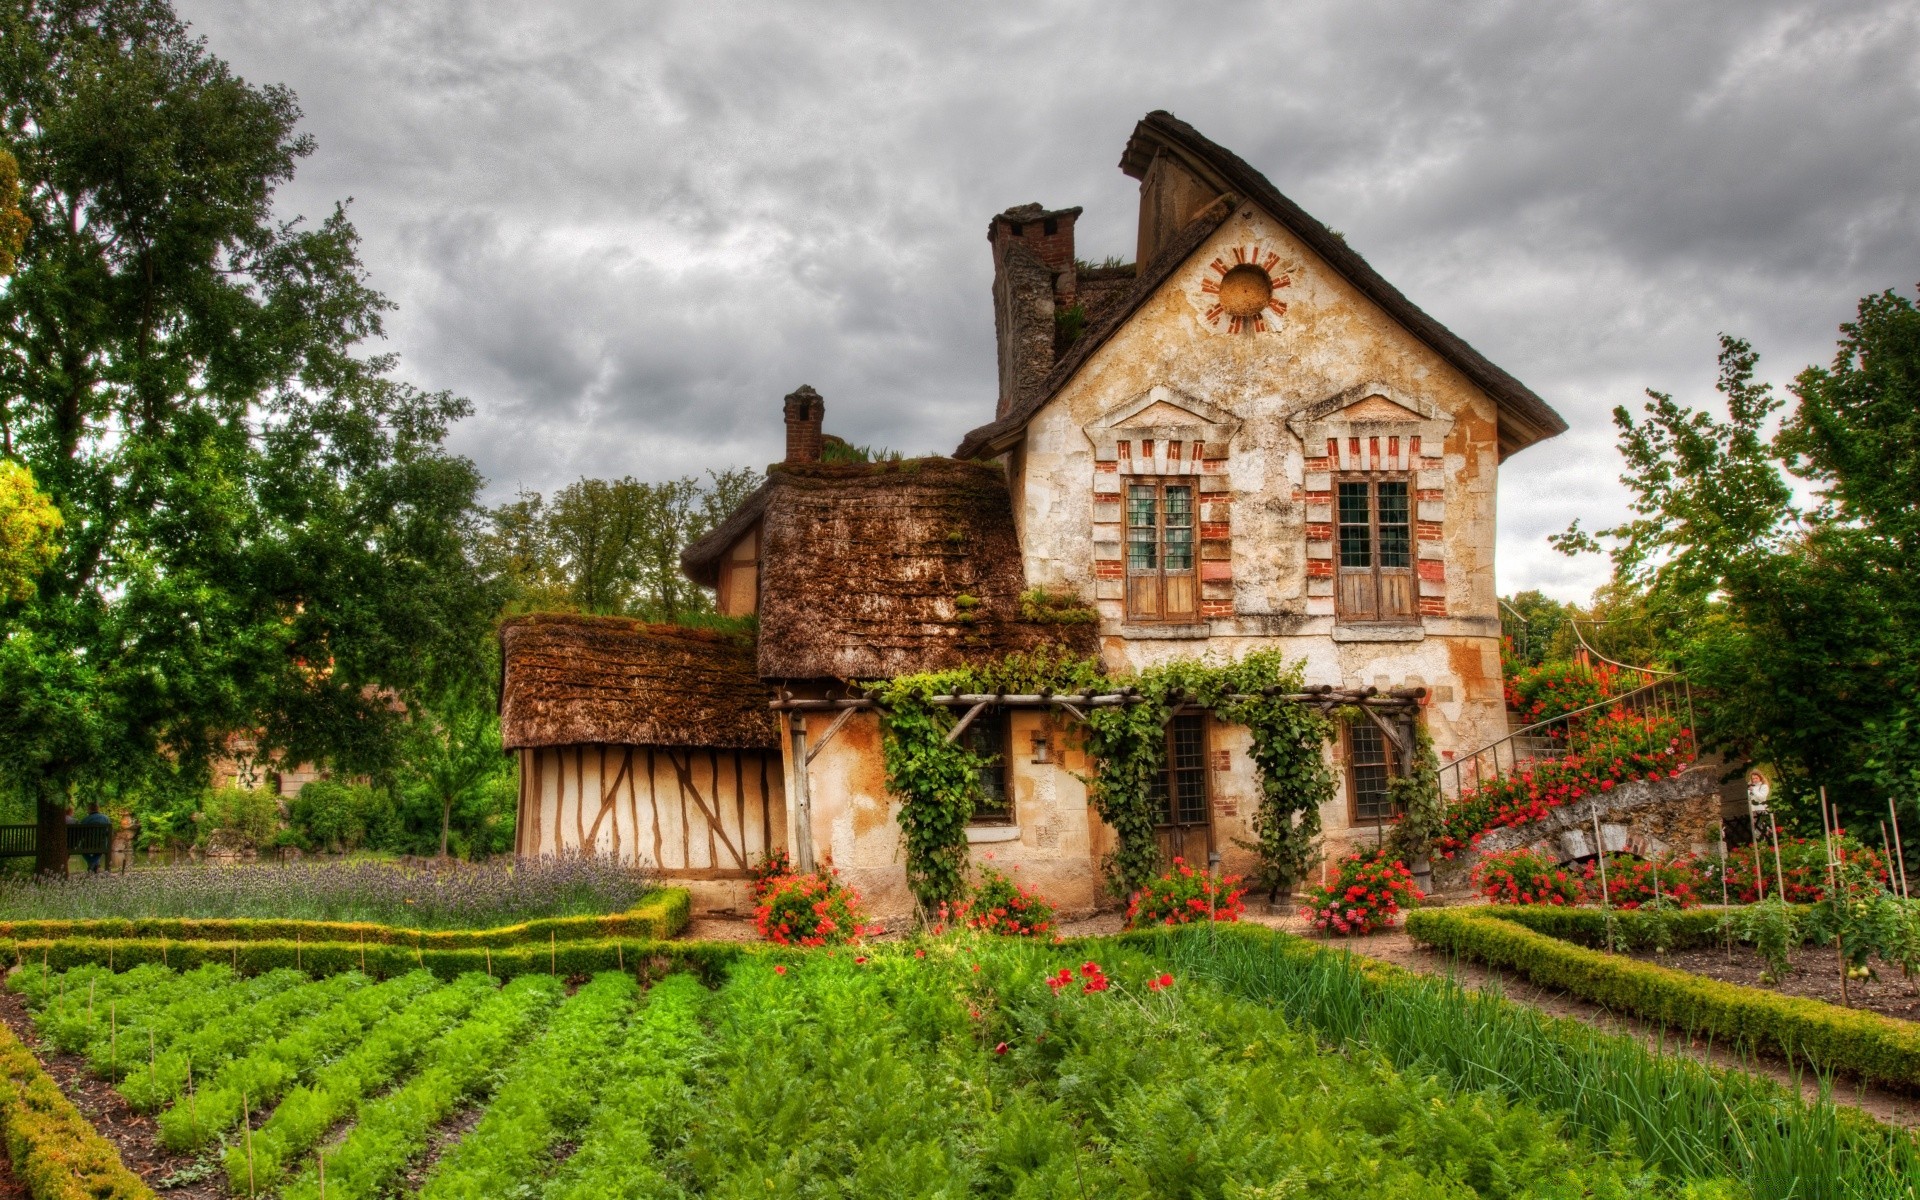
987 737
1189 770
1143 550
1356 534
1367 767
1396 530
1179 507
1141 507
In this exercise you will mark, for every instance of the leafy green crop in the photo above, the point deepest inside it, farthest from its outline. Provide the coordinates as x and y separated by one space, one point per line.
306 1113
264 1075
548 1095
457 1067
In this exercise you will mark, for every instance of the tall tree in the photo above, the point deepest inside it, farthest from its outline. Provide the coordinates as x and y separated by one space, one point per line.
263 530
1798 623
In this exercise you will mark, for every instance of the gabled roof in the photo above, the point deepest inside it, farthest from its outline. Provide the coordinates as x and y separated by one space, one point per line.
571 679
880 569
1524 417
701 560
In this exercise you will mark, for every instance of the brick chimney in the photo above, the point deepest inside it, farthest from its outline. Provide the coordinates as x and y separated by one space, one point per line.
1033 277
805 411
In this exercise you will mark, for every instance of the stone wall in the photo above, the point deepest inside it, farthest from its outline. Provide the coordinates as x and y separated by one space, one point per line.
1649 819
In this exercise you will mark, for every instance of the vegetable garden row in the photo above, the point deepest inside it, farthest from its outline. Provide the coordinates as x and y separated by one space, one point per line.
1203 1061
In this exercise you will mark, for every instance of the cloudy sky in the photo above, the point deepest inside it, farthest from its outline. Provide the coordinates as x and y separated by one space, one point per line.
625 231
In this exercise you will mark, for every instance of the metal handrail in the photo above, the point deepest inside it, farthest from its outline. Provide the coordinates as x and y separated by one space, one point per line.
1544 740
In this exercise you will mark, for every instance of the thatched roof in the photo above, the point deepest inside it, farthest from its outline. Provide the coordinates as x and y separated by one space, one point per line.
701 561
573 679
883 569
1524 417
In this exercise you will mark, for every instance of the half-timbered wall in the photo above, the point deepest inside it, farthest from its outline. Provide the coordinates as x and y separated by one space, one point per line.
685 812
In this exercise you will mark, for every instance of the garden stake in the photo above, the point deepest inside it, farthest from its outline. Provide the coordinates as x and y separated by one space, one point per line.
363 953
1894 815
193 1109
1606 895
489 962
90 1001
1723 896
246 1120
296 950
113 1039
153 1066
1833 890
1779 871
620 957
553 955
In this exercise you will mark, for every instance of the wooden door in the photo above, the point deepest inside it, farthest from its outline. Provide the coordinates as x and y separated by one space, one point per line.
1184 828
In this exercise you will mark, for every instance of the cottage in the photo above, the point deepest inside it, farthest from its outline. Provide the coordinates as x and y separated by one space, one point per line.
1246 439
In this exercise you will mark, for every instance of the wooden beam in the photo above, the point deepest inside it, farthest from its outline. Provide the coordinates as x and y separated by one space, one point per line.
846 714
960 726
1394 733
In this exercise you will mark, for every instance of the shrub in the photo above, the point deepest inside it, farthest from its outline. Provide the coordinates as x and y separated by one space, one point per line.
1630 881
329 816
999 905
55 1153
1804 861
1873 1047
1554 689
808 910
1364 894
236 818
1527 877
772 865
1182 895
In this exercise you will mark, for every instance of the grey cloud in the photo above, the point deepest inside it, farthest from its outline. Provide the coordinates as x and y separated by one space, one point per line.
626 230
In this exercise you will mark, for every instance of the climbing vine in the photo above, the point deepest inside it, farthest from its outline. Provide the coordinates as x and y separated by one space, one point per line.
937 780
1416 797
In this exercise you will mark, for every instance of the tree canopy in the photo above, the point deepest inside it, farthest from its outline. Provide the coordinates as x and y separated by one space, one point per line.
1795 616
264 534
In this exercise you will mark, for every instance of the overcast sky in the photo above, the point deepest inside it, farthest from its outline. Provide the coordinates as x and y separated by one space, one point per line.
625 231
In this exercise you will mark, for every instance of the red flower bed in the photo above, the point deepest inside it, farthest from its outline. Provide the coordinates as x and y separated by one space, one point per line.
1630 881
808 910
1184 895
1612 748
1366 894
1555 689
999 905
1804 861
772 865
1527 877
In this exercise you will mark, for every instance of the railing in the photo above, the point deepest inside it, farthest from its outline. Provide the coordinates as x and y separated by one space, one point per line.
1542 741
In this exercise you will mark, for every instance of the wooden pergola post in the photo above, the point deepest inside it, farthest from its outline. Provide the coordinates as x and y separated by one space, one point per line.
802 805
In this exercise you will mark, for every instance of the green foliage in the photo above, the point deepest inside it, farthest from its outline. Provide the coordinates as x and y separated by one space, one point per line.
1534 628
1743 585
1863 1044
264 532
237 818
611 546
54 1152
545 1096
1773 928
1068 324
1415 795
1056 606
1559 687
1001 906
333 817
1128 744
30 526
13 222
808 910
456 1069
835 451
455 778
1182 895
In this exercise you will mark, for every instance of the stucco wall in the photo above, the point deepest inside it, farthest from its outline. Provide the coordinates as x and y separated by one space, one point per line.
1330 340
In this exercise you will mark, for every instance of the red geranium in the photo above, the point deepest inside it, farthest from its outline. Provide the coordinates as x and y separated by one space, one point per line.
1183 895
1366 894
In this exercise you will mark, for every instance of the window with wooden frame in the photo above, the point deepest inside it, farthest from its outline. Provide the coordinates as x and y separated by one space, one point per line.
1369 770
987 737
1161 583
1374 545
1180 790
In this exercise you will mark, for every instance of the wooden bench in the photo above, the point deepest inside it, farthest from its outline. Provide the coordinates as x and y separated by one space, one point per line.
23 841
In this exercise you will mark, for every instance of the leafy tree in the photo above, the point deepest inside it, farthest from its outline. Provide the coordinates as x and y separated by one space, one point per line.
457 777
13 222
1531 623
263 530
29 532
612 546
1797 623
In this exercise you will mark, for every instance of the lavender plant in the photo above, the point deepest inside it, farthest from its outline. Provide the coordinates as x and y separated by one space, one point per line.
434 895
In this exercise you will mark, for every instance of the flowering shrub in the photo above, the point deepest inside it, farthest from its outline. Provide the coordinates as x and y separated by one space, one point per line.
1611 749
1182 895
999 905
1804 860
772 865
808 910
1555 689
1630 881
1364 896
1527 877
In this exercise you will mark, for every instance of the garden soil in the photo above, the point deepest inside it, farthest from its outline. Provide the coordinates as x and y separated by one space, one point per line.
1815 974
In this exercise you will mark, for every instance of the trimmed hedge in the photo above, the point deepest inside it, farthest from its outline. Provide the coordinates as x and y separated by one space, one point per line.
55 1152
1690 929
1863 1044
660 915
579 957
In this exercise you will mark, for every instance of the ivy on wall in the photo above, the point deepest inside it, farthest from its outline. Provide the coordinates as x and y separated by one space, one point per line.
937 781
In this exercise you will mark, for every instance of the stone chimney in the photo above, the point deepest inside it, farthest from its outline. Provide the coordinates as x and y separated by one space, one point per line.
1033 277
805 411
